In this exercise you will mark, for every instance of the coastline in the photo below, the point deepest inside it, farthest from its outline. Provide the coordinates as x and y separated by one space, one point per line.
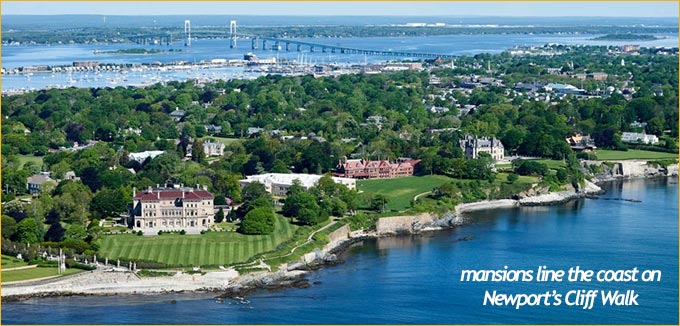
229 284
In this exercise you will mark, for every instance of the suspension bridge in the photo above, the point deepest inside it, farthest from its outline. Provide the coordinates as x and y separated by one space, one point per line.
286 44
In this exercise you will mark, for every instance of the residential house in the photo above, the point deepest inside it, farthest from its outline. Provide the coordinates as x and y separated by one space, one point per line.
177 114
636 137
140 157
35 182
212 129
581 143
213 149
472 146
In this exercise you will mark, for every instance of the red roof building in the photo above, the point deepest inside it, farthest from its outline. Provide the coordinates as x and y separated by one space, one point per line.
382 169
176 208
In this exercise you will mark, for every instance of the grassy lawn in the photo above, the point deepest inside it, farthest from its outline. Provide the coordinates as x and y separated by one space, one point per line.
30 158
11 262
31 273
604 154
212 248
553 164
223 140
503 177
401 191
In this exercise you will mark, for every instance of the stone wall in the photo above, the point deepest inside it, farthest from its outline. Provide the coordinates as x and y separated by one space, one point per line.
337 236
402 224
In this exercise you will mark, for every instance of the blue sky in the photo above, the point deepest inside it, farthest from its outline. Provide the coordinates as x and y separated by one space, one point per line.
612 9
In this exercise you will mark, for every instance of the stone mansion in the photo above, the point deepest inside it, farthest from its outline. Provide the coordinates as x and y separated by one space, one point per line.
172 208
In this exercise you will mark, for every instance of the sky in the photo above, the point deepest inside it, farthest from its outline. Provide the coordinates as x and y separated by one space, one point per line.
403 8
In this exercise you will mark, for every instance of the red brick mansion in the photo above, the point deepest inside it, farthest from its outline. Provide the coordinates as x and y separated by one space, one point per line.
364 169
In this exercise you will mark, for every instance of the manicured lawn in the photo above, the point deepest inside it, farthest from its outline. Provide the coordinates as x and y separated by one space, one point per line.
38 160
400 191
225 141
604 154
212 248
503 177
553 164
11 262
31 273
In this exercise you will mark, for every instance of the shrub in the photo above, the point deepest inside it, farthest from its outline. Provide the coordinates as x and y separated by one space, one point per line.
258 221
586 156
527 167
182 232
140 233
513 177
70 263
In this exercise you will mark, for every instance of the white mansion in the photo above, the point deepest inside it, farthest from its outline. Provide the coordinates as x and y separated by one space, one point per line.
172 208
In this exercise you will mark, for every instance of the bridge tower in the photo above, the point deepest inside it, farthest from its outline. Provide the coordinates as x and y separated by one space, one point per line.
232 34
187 33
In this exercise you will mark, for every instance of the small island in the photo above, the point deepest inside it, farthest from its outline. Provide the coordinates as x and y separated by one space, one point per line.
137 51
626 37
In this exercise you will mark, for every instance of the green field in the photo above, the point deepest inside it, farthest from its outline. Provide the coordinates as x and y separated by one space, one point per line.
211 249
604 154
11 262
401 191
38 160
32 273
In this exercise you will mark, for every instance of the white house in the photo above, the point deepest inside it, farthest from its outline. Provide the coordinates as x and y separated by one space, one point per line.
636 137
278 183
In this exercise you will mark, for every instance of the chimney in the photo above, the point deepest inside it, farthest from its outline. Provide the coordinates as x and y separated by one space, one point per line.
182 194
158 194
134 191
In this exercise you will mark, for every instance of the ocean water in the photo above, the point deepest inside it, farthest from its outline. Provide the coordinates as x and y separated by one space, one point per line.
416 279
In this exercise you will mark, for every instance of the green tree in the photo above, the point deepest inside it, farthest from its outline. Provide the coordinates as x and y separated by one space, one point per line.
9 226
29 231
75 232
253 191
298 201
197 152
219 217
109 202
258 221
512 178
379 203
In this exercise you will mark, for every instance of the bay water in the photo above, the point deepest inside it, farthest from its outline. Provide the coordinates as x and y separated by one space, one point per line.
14 56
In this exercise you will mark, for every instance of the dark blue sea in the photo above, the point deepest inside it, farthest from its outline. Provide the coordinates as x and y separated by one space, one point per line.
416 279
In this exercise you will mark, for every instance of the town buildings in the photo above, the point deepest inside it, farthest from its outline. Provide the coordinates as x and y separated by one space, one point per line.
172 208
277 184
472 146
381 169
